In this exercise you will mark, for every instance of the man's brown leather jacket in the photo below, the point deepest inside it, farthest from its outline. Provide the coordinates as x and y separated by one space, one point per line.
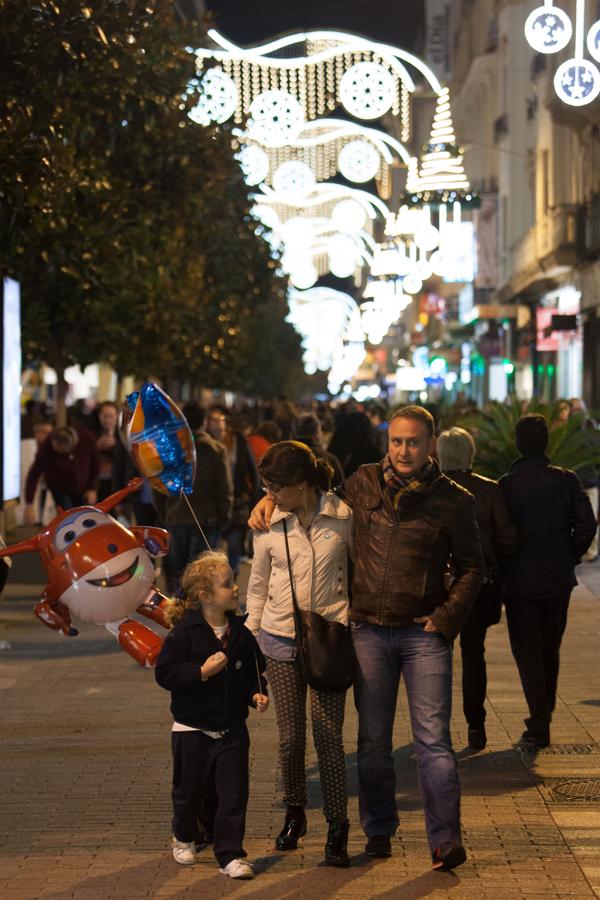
401 561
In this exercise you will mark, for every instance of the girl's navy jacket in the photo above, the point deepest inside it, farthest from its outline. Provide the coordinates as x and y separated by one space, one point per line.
221 702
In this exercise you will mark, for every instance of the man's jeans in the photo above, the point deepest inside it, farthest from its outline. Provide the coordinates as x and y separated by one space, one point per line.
425 660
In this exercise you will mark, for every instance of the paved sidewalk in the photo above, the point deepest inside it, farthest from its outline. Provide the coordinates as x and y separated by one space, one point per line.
85 808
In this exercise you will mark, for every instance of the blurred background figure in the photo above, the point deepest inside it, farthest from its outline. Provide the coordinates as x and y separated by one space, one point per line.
107 441
456 452
309 432
563 411
589 475
263 437
285 416
354 443
211 501
68 461
244 476
378 416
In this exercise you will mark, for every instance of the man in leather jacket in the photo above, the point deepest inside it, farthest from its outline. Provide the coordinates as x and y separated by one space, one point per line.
410 523
556 525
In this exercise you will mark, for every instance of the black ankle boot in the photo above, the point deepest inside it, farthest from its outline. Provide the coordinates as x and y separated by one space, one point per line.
294 827
336 848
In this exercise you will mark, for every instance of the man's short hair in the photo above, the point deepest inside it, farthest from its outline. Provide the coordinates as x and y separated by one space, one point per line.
419 414
531 435
455 450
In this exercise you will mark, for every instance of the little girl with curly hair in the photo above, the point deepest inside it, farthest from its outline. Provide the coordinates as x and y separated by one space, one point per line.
213 667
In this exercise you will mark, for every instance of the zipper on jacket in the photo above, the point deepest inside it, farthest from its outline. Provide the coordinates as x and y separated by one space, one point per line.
385 574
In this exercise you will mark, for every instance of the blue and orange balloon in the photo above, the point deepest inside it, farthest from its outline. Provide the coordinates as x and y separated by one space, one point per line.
157 435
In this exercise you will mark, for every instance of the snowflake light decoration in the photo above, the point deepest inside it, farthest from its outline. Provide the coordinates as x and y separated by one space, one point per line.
577 82
218 98
276 118
367 90
254 163
359 161
548 30
295 179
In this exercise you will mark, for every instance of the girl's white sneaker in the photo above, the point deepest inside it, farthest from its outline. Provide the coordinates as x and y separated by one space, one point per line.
183 853
238 868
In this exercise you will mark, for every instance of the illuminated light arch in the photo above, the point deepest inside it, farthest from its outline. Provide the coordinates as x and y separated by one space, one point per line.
321 144
338 38
331 69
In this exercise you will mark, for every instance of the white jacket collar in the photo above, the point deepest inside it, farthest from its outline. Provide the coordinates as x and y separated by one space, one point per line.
331 505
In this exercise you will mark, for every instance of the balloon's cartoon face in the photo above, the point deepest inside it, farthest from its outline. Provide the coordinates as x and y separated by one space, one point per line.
95 565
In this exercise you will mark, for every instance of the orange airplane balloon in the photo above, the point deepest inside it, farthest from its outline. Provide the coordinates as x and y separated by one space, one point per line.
101 571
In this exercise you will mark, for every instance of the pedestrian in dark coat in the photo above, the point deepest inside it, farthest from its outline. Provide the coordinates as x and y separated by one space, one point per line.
556 525
498 535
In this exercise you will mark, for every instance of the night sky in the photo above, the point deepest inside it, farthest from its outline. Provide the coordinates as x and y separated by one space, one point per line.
397 22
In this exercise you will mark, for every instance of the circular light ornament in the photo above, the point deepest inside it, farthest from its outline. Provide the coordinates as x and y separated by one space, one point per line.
548 29
423 270
412 284
341 263
298 233
593 41
266 215
577 82
348 216
276 118
254 163
358 161
304 278
427 238
367 90
294 179
438 263
218 98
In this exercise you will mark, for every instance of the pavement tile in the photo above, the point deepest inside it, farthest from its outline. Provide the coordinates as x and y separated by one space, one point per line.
85 808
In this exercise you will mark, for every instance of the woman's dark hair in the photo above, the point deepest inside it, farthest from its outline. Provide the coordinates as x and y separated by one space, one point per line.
290 462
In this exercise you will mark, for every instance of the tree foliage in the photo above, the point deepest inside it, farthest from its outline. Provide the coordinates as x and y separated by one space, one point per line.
127 223
493 428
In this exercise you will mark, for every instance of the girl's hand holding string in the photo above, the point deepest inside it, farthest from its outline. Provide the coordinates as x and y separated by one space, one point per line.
261 702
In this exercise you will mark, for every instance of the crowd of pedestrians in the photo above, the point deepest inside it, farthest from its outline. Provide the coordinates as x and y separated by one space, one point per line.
373 520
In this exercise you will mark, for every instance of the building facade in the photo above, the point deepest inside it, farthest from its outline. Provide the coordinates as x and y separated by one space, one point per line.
536 298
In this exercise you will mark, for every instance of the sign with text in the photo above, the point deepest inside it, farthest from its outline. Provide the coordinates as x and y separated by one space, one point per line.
437 37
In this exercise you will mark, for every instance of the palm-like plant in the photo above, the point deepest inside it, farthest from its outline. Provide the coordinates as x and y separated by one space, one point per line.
570 445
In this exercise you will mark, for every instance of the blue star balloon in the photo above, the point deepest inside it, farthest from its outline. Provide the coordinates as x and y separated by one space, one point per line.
157 435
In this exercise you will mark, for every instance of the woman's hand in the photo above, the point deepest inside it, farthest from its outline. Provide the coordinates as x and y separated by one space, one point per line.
213 665
260 517
261 702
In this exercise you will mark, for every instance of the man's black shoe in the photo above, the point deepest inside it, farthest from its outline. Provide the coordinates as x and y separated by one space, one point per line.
379 846
336 848
477 738
448 856
531 743
294 828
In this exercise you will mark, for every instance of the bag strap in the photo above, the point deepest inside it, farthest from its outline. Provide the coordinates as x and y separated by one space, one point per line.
289 562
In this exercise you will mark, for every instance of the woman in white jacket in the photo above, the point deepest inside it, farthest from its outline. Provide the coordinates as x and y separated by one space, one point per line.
319 533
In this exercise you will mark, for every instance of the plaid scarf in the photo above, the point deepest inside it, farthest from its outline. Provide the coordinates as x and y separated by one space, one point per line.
405 493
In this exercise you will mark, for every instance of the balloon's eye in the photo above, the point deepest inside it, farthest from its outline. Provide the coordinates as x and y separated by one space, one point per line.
69 536
89 523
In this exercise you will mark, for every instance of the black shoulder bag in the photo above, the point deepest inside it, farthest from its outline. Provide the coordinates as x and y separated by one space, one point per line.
325 650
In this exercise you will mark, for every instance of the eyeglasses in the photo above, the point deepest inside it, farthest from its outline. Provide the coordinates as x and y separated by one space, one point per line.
272 488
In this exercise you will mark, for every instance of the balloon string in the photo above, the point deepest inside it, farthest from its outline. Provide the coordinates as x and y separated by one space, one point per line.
258 673
185 497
